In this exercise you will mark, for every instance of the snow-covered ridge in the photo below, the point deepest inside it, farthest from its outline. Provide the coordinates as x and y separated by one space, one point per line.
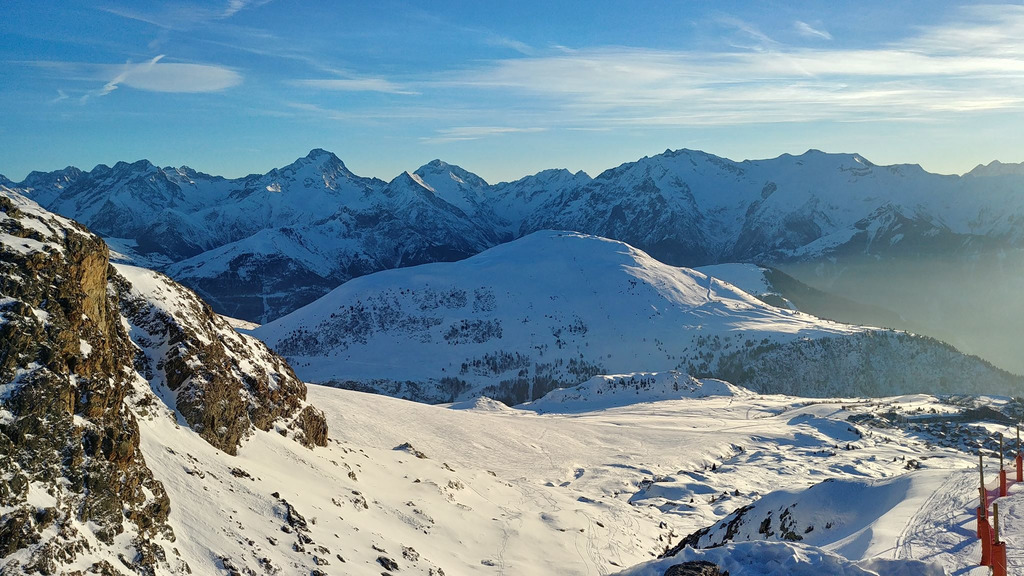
607 391
553 309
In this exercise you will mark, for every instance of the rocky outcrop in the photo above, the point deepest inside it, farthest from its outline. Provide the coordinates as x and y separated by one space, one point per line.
222 383
695 568
79 344
67 438
311 427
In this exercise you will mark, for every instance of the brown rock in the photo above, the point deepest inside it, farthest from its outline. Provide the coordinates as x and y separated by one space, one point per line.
695 568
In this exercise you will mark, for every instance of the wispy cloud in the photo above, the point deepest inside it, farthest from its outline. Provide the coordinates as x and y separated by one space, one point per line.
153 75
463 133
129 14
236 6
494 39
483 35
174 16
383 115
975 64
355 84
808 31
180 77
987 31
750 36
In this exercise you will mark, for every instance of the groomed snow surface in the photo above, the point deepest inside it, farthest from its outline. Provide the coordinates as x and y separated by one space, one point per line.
559 487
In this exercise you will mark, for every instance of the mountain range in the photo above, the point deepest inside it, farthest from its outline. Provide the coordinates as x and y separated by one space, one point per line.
944 251
140 433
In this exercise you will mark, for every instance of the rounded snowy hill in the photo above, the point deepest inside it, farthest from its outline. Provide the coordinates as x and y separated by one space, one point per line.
553 309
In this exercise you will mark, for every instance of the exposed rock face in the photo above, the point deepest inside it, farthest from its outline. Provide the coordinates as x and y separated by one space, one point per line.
312 427
74 484
66 434
695 568
224 384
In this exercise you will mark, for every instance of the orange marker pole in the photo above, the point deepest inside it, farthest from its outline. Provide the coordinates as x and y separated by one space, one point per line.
985 535
998 553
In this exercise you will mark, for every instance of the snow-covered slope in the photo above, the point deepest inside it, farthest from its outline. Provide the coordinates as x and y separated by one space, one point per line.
690 208
684 207
483 491
847 516
102 363
553 309
775 287
262 245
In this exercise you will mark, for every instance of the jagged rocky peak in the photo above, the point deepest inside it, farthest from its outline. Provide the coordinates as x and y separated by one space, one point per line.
133 169
44 187
188 175
322 159
74 481
57 178
320 155
317 169
456 173
407 181
552 177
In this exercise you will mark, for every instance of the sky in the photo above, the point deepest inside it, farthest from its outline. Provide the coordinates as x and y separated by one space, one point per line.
505 89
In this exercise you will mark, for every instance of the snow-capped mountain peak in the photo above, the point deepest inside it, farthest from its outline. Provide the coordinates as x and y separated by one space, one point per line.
455 173
456 186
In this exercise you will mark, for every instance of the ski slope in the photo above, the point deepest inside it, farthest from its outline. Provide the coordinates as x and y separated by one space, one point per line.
482 488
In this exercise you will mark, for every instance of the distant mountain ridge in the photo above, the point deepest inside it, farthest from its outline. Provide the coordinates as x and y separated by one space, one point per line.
261 246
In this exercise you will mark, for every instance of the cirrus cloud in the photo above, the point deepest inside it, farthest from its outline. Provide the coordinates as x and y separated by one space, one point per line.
971 65
808 31
364 84
465 133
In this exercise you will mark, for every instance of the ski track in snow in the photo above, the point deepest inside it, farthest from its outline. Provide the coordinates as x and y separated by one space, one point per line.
937 511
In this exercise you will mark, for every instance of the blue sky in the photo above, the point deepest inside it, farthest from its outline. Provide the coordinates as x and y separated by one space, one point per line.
505 89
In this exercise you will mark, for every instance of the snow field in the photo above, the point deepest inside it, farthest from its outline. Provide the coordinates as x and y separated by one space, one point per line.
511 491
